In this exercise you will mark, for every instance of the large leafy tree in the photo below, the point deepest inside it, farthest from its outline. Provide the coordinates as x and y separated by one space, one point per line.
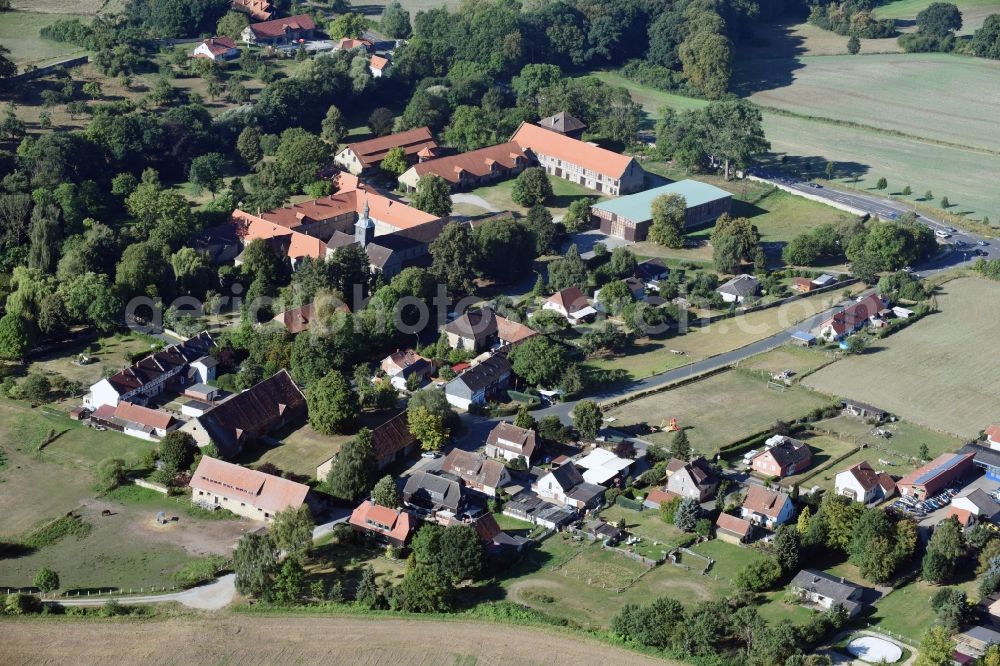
569 271
333 404
734 242
944 551
292 530
532 187
939 19
588 417
539 361
454 257
986 40
430 417
737 133
353 471
254 562
396 21
433 195
386 493
669 212
706 57
177 451
505 249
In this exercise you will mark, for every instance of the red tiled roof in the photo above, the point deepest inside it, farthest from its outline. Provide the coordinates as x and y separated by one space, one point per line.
152 418
348 200
733 524
258 9
413 142
277 27
993 432
764 501
854 315
348 43
543 141
219 45
396 521
964 517
475 163
378 62
658 496
512 332
264 491
570 299
865 475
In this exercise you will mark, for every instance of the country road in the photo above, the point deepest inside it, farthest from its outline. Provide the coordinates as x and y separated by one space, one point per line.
477 427
966 242
212 596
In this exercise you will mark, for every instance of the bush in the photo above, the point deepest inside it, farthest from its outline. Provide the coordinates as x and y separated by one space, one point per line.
759 576
199 571
57 530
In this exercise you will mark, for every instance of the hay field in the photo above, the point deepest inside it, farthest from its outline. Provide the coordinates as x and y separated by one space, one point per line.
903 161
892 92
242 639
19 32
974 12
941 372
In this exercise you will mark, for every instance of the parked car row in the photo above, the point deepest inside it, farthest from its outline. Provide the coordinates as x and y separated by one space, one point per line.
921 508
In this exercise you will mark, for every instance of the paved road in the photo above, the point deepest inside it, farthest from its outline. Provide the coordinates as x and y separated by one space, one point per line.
965 241
206 597
477 427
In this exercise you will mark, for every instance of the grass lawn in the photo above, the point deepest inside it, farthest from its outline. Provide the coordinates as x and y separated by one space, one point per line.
729 559
719 410
19 31
936 373
907 611
777 609
902 446
790 357
656 535
127 549
778 39
563 194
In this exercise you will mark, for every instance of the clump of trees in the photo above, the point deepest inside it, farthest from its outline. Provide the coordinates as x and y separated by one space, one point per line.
937 24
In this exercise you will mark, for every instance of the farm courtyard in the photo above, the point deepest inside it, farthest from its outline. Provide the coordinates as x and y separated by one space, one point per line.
934 373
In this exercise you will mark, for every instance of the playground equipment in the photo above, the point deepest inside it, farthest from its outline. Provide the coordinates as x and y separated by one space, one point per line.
673 426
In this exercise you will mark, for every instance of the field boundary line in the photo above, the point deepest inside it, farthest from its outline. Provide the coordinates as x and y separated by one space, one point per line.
879 130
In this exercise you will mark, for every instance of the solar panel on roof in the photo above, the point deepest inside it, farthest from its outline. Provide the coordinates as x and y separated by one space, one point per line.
940 469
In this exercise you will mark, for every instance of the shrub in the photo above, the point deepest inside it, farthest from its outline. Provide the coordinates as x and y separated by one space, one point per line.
199 571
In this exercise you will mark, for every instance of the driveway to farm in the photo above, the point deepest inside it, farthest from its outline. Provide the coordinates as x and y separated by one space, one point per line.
213 596
475 200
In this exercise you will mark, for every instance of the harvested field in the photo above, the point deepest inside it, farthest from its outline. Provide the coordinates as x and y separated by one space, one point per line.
974 12
719 410
941 372
19 31
302 640
877 91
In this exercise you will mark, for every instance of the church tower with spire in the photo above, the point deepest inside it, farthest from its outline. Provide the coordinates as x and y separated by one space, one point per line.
364 228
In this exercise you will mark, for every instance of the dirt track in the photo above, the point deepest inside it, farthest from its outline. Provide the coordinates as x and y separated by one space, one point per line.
240 639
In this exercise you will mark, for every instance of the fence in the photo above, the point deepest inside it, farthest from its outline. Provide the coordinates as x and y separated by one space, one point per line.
36 72
143 483
812 197
635 556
